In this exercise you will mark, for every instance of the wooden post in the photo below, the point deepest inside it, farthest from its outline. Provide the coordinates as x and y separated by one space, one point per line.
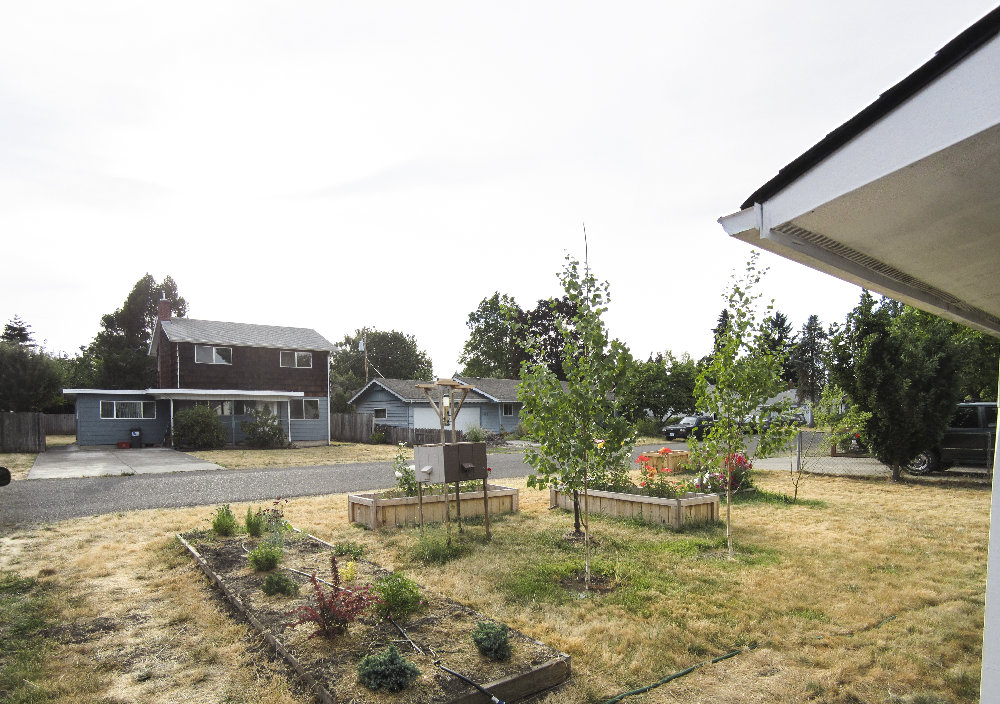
486 507
420 505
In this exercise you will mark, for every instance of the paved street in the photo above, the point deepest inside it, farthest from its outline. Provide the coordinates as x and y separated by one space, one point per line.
35 501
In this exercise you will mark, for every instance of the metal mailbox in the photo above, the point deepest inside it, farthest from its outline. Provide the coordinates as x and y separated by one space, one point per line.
450 462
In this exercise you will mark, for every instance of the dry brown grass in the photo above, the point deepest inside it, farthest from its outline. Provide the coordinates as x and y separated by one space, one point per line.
20 462
875 597
335 453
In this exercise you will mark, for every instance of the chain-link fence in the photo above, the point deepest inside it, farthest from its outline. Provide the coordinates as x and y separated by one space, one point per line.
811 452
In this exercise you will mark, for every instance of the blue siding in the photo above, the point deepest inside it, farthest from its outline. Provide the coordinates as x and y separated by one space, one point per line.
492 418
397 413
313 430
91 429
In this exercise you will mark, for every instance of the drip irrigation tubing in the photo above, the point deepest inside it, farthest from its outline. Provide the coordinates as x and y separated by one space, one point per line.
676 675
437 662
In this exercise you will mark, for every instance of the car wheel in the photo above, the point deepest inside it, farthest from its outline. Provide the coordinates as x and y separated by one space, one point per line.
925 463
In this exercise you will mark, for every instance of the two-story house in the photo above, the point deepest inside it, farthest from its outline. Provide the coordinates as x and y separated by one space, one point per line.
230 367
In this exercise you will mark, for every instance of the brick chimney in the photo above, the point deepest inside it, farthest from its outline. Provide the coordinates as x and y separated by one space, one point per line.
163 309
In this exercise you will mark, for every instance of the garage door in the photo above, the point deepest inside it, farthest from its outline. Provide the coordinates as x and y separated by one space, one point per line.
467 418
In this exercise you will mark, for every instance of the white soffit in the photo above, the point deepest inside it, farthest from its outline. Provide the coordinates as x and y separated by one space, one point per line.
911 206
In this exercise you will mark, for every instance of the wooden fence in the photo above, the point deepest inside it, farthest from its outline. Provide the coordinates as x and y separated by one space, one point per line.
22 432
351 427
414 436
60 424
359 427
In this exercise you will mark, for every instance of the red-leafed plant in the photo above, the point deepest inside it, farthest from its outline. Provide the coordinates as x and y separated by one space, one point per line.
334 610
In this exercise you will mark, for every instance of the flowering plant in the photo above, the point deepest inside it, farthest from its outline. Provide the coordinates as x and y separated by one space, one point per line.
734 476
657 481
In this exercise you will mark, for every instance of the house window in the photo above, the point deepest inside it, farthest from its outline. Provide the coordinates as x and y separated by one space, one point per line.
134 410
380 413
221 408
245 408
304 408
508 409
207 354
289 358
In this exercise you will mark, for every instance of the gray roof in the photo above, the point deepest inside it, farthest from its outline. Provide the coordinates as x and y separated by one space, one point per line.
212 332
503 390
406 390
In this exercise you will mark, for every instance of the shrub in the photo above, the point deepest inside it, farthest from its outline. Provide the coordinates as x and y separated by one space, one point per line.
255 522
265 556
349 548
648 427
224 522
198 428
475 434
387 670
264 430
405 472
492 640
280 583
398 596
336 610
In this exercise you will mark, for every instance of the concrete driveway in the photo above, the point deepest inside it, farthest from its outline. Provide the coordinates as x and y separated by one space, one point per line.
72 461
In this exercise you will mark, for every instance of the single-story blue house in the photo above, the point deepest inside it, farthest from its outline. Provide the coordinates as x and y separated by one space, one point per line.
492 404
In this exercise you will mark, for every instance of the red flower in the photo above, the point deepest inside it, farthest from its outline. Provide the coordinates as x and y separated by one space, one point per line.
641 458
665 450
489 469
642 483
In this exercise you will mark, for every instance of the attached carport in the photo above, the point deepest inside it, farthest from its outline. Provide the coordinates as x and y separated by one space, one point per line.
904 199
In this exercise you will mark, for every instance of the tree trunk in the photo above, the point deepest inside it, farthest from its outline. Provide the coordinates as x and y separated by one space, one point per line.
897 473
576 512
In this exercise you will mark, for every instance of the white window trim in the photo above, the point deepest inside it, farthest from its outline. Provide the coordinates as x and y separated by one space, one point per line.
385 413
214 348
115 416
295 357
503 410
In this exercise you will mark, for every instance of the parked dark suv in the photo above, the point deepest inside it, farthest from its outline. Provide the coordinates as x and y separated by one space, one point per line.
969 439
696 425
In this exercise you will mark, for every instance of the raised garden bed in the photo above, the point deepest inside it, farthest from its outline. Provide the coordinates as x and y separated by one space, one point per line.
689 508
374 511
669 460
329 667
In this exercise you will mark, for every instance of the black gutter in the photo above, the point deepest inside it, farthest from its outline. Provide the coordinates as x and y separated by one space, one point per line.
950 55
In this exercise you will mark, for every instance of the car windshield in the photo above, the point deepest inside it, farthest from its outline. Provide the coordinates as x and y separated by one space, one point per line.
689 420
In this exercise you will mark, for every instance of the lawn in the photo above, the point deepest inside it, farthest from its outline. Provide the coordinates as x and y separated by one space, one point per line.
334 453
871 593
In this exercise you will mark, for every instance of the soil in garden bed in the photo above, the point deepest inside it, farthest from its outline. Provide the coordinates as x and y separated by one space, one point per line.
441 627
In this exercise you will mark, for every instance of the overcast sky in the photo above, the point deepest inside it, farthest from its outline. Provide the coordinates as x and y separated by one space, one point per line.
335 165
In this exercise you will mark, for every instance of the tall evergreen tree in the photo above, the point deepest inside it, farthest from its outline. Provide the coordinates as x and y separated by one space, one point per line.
900 365
17 332
809 360
120 351
779 340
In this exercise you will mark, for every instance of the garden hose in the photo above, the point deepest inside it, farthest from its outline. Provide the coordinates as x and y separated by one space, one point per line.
668 678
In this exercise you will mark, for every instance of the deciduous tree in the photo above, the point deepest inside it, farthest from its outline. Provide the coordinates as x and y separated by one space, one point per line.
391 354
498 339
576 423
742 374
